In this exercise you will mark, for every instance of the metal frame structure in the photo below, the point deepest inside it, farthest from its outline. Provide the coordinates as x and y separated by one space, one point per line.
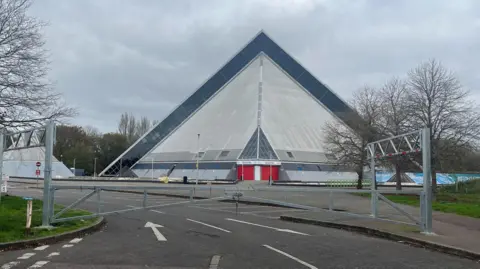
233 193
55 217
404 145
36 137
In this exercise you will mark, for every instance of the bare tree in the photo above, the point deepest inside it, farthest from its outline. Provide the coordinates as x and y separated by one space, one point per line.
437 99
394 118
143 126
127 126
348 143
132 128
26 96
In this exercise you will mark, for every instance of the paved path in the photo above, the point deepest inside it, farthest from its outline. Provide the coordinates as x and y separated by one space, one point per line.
208 232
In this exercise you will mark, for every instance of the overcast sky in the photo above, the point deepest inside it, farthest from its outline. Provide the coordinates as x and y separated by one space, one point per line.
144 57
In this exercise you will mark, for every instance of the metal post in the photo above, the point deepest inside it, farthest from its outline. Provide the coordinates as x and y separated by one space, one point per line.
52 204
144 198
270 179
242 171
198 155
95 167
427 179
2 143
422 211
373 183
74 168
152 168
99 205
120 171
47 173
191 195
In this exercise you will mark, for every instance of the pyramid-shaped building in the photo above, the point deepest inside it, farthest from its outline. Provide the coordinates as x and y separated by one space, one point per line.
261 115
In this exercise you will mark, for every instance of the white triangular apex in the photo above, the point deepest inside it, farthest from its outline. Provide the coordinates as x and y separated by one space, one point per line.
226 121
292 118
151 224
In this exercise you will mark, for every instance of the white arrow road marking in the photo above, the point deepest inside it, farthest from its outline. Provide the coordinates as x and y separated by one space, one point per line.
291 257
38 264
9 265
208 225
157 233
268 227
67 246
26 256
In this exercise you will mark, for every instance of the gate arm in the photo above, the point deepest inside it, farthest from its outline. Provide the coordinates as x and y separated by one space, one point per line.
75 203
392 204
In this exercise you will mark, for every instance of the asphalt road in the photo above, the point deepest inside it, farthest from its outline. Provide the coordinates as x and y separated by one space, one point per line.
209 234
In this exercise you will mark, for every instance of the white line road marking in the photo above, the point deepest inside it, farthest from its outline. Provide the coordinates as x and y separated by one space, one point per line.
53 254
291 257
157 233
132 206
67 246
208 225
76 240
39 264
26 256
268 227
272 211
214 262
159 212
232 206
9 265
41 247
211 209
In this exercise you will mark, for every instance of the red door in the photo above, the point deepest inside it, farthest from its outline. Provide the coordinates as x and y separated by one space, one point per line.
247 171
266 172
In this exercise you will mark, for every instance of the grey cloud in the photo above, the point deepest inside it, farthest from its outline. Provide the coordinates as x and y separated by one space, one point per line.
146 56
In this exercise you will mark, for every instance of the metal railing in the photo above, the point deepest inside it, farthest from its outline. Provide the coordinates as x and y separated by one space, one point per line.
262 194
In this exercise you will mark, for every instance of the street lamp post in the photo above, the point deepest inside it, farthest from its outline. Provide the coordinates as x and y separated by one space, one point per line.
95 167
152 168
198 155
270 177
74 168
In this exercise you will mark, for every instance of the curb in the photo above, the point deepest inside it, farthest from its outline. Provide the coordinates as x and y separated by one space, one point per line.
54 238
389 236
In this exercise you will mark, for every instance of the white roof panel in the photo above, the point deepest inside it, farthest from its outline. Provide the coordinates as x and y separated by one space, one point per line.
226 121
291 118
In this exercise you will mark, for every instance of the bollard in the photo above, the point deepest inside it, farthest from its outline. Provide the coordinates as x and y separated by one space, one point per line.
29 214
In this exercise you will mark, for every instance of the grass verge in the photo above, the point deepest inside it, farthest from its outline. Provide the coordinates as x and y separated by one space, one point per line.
13 219
460 203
